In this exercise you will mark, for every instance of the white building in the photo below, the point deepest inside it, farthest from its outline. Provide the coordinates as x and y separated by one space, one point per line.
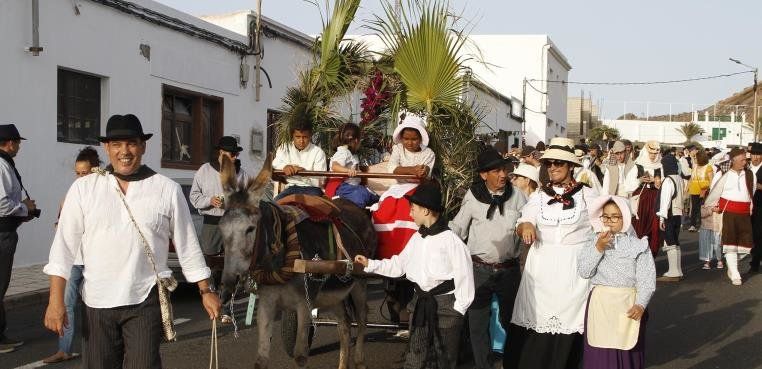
187 80
716 133
505 61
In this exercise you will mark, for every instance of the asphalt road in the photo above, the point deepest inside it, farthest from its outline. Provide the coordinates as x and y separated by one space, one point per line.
702 322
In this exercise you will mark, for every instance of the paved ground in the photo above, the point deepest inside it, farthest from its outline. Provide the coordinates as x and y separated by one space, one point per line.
702 322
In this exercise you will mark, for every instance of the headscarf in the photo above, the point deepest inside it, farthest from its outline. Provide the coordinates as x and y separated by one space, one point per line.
645 161
596 210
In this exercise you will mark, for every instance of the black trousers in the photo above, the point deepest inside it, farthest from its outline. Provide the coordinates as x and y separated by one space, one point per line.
696 202
505 284
671 232
8 242
126 337
450 323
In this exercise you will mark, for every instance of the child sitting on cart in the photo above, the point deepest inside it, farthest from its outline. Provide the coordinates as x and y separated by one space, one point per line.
439 264
345 160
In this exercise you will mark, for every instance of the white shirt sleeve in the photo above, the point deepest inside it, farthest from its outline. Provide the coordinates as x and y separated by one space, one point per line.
342 157
606 181
393 267
68 239
394 159
531 209
464 275
8 205
281 157
183 235
665 199
631 181
429 159
462 221
198 199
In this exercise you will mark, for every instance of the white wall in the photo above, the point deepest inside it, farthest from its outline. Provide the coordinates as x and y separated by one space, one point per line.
667 132
507 60
104 42
497 113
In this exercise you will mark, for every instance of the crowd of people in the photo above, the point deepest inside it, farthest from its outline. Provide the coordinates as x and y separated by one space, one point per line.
562 236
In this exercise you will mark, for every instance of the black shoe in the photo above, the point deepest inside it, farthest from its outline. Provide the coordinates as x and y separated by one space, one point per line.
5 341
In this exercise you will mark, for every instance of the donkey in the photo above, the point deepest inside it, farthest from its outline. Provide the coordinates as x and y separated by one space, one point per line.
244 218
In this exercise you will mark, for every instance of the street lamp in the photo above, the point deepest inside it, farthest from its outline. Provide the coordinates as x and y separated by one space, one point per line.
755 117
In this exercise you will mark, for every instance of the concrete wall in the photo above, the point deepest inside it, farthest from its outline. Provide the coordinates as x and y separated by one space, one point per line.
667 133
104 42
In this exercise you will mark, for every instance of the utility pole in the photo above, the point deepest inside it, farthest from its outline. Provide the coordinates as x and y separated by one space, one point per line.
523 112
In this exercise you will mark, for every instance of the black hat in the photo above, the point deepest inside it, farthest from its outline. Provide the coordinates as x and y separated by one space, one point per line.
427 195
489 159
670 165
9 132
229 144
124 126
756 148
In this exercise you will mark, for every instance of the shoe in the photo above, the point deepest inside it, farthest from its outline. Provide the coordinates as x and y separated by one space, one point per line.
706 266
737 282
58 357
720 265
4 349
10 342
692 229
404 334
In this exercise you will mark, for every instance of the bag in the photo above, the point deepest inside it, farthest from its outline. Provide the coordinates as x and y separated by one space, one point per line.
165 286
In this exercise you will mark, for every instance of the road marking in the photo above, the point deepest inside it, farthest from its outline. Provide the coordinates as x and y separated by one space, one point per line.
179 321
33 365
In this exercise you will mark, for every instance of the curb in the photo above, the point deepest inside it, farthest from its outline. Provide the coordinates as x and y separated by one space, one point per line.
37 297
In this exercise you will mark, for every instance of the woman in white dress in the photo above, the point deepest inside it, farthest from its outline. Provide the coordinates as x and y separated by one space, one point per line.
548 317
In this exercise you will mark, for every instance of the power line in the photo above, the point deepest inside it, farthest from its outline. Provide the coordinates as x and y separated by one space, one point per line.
642 83
535 88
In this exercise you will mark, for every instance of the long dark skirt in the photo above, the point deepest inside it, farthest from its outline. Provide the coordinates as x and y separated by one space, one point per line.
601 358
647 223
527 349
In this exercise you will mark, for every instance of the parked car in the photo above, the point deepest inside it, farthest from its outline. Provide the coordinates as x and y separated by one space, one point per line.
216 263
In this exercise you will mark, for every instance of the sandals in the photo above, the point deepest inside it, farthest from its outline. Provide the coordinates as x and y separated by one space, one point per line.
59 357
720 265
706 266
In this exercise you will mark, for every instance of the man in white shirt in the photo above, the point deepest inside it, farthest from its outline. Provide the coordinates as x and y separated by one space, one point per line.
620 179
300 155
14 210
732 196
756 218
670 212
114 219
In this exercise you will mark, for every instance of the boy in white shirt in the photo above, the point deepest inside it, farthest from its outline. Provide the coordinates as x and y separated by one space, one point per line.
439 264
297 156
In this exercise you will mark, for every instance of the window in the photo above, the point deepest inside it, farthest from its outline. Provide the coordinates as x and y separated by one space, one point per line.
79 107
191 124
272 133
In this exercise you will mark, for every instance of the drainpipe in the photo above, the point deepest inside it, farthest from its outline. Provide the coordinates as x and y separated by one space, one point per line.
258 57
35 49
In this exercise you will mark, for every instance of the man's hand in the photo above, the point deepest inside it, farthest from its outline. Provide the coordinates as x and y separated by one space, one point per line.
30 205
527 232
635 312
212 305
216 202
56 319
662 226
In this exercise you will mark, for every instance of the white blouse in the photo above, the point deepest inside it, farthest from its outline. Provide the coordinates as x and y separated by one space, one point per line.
402 158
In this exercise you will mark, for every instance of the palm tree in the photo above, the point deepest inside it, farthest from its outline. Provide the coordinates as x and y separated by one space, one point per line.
690 130
604 133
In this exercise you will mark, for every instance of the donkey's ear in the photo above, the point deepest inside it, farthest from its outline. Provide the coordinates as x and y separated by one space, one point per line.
227 175
258 185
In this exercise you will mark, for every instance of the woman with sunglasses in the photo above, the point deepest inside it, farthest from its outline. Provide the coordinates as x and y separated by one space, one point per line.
548 317
206 193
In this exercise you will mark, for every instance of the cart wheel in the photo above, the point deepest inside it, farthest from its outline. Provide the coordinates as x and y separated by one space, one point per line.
288 327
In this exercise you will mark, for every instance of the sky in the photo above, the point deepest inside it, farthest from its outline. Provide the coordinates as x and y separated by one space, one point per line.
604 40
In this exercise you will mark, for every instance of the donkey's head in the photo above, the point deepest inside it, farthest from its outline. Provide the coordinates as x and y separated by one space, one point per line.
239 224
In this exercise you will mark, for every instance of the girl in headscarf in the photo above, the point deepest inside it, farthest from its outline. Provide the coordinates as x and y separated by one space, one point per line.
620 266
643 199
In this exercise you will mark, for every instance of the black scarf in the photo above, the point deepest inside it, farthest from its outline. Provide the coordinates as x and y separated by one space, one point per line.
482 194
12 163
216 165
565 198
438 227
142 173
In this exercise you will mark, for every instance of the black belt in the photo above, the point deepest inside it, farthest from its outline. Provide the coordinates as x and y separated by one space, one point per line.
212 219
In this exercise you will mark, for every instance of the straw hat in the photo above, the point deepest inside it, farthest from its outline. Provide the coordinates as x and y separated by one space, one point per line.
652 147
529 171
415 122
561 148
618 147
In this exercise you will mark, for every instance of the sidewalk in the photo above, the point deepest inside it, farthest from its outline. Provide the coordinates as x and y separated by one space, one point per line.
29 286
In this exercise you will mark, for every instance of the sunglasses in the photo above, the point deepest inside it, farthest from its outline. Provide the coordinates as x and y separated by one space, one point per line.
555 163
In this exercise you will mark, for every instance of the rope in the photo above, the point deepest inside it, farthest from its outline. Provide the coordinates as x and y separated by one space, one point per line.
213 355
